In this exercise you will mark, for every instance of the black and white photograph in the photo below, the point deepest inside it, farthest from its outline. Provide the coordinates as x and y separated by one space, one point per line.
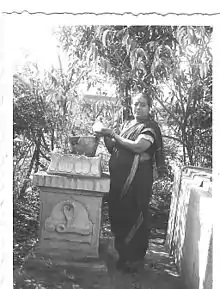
112 153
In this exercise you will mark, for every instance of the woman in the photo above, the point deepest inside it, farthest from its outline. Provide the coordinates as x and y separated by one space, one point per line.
131 179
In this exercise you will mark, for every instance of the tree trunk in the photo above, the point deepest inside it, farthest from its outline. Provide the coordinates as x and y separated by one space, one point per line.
24 186
38 152
127 101
52 140
189 153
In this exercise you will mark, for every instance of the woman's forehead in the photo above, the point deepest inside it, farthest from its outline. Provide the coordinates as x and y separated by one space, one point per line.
139 98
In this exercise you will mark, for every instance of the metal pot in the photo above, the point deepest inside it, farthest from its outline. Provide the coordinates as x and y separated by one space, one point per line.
83 145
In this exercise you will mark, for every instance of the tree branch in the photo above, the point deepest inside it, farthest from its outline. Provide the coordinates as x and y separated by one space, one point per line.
44 156
167 110
61 70
174 138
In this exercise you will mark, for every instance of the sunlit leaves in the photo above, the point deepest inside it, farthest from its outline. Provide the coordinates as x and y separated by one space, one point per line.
106 66
125 38
162 65
138 59
127 54
143 57
195 46
132 59
104 37
203 69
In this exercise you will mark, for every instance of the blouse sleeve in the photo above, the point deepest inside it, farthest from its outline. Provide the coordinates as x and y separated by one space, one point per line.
147 134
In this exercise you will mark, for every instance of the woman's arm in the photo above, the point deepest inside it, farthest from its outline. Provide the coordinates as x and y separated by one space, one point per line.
138 146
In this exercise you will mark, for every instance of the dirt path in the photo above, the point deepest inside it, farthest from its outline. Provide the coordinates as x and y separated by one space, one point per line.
158 273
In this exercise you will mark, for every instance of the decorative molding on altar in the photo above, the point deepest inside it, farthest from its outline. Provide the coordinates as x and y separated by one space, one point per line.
99 185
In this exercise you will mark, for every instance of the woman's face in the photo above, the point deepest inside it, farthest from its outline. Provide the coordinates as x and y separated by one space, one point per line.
140 107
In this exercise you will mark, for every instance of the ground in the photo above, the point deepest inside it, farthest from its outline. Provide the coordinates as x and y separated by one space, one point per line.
159 272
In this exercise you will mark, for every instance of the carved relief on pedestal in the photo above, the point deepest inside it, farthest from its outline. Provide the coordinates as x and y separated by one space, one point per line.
69 217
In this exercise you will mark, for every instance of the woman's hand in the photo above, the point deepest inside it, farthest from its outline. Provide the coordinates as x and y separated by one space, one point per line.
104 132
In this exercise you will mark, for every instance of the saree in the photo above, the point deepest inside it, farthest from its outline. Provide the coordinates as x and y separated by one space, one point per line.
131 180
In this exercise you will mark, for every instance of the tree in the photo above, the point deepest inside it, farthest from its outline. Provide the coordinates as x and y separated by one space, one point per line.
189 105
31 127
147 58
46 111
129 54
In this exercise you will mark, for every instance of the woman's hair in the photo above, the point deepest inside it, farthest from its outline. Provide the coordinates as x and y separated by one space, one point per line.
144 95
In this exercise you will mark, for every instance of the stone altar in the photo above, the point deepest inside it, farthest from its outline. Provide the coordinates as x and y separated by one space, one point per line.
70 208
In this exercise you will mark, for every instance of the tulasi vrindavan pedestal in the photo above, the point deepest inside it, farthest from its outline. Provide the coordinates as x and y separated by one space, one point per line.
71 194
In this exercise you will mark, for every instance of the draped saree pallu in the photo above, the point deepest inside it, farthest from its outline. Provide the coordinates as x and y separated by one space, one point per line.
130 193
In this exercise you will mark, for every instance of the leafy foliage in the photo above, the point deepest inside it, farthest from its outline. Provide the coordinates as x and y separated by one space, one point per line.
130 55
149 58
26 224
46 112
187 109
172 64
